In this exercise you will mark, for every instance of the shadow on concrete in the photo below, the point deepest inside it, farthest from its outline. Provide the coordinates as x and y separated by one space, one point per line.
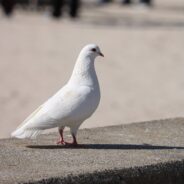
108 147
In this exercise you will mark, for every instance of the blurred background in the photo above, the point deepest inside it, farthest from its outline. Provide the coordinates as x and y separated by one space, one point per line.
141 76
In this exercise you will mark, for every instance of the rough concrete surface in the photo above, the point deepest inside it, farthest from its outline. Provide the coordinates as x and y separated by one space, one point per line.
147 152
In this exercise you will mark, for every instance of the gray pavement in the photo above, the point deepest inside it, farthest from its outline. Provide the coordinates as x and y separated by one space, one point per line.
147 152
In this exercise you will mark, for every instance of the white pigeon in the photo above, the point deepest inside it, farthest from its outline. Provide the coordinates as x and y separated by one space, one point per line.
71 105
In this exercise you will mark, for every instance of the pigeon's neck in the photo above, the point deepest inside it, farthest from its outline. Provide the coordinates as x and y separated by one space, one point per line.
84 72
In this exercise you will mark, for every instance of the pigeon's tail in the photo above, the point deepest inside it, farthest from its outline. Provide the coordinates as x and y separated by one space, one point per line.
22 133
28 129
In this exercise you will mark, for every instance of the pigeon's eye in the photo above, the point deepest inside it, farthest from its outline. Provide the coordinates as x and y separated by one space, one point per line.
94 50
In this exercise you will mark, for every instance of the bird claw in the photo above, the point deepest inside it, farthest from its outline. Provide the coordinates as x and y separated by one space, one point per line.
61 142
67 143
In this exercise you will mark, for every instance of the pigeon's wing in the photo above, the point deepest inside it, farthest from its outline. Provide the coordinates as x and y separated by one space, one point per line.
62 107
70 104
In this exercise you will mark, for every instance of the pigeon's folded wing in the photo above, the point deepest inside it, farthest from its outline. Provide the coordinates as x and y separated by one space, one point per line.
62 107
69 104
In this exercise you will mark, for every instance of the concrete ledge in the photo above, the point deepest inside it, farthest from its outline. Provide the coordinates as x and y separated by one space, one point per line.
149 152
166 173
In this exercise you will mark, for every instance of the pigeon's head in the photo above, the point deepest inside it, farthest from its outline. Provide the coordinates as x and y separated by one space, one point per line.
92 51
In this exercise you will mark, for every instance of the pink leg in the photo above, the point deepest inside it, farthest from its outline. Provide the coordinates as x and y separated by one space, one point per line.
74 143
61 140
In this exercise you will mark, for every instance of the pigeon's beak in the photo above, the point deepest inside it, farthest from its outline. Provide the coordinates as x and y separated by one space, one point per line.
101 54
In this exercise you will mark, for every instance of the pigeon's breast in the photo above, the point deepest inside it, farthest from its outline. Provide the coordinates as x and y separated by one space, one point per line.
87 103
74 104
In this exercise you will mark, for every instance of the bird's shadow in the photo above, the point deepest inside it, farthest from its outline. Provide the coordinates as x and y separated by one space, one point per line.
108 147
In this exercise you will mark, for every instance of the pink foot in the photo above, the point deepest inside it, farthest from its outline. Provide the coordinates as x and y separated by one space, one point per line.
61 142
